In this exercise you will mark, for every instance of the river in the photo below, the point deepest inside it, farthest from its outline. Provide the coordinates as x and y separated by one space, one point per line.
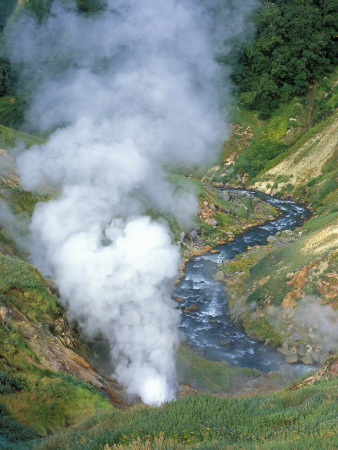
210 332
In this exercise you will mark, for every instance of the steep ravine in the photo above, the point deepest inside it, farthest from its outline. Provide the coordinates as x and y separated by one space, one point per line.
200 294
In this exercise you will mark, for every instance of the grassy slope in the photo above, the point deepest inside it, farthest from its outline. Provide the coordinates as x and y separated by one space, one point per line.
301 419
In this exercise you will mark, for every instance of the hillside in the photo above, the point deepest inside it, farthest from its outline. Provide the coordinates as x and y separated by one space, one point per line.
57 390
296 271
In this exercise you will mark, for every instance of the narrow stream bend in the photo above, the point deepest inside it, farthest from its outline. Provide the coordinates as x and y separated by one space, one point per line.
210 331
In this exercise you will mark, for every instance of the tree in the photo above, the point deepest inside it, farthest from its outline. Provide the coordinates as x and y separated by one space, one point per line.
293 46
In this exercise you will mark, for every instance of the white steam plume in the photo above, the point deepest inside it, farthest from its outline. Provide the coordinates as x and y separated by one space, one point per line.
128 91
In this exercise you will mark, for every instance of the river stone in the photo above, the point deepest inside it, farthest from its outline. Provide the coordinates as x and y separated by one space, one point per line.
292 359
193 235
271 239
224 196
219 276
307 360
302 349
315 356
180 300
224 343
215 251
296 337
191 308
212 222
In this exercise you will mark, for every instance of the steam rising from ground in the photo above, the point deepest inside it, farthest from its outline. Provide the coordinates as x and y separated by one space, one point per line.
128 92
321 319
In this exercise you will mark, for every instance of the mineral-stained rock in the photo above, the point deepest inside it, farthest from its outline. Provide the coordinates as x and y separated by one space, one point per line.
180 300
215 251
191 308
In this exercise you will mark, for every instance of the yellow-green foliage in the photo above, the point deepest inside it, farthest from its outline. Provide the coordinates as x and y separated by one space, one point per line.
303 419
14 349
51 401
261 329
204 374
25 288
10 137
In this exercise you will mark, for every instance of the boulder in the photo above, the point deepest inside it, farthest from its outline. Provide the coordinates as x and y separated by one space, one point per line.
315 356
215 251
292 359
193 235
271 239
179 300
296 337
4 313
211 222
191 308
307 360
219 276
224 196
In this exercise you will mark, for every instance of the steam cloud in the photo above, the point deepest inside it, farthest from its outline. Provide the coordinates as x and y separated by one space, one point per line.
321 319
128 92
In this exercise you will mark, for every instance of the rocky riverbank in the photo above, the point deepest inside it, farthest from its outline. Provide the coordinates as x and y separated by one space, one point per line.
223 214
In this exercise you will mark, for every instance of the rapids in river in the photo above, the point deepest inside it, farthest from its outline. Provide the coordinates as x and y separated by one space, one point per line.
210 332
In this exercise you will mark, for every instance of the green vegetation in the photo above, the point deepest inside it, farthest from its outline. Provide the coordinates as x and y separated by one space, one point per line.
209 375
293 46
301 419
10 137
12 434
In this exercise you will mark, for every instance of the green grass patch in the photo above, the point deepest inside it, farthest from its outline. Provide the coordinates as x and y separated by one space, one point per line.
49 403
25 288
10 137
209 375
285 419
261 329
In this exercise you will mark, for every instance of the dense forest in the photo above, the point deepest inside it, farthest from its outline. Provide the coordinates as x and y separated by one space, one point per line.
295 44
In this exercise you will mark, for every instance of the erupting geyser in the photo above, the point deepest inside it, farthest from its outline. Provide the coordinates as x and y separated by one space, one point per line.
128 91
